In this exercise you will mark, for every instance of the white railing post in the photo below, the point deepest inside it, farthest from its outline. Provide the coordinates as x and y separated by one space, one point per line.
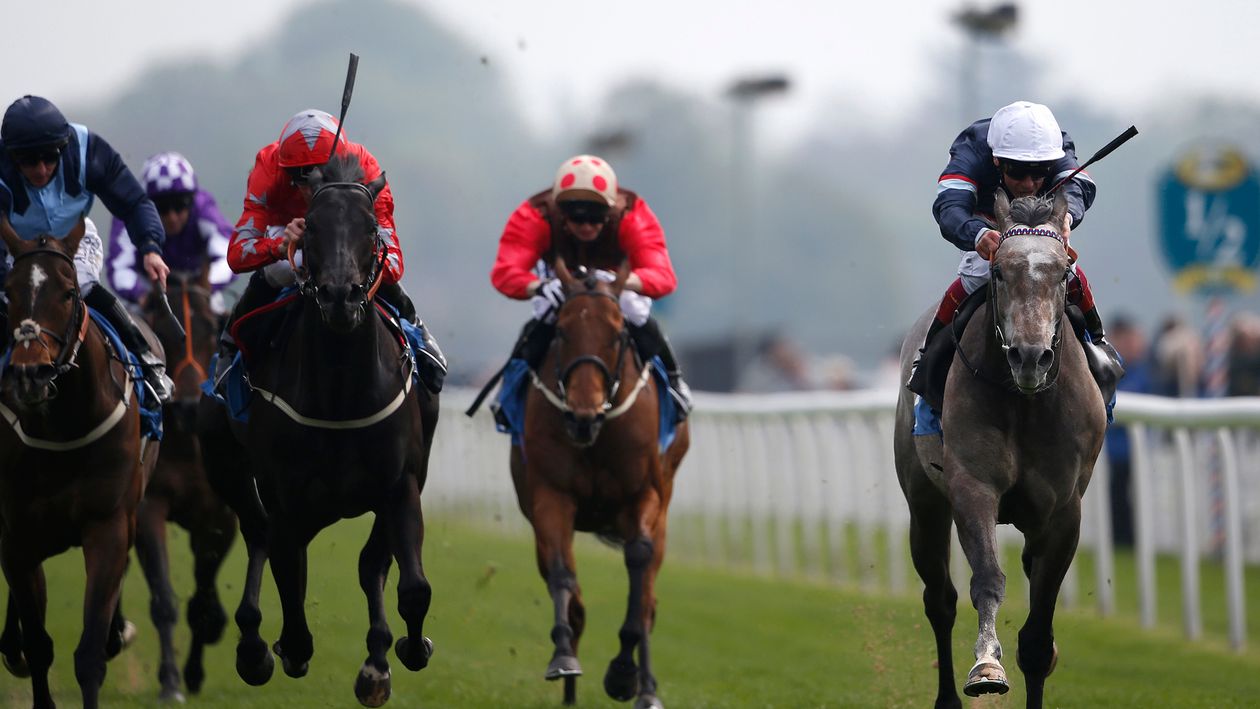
1192 621
1144 523
1233 542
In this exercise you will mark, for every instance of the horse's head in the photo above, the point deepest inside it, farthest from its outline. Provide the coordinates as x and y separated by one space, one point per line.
590 347
342 251
45 310
189 294
1029 280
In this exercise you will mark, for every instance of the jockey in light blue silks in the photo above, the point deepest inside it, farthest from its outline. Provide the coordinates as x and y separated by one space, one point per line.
51 171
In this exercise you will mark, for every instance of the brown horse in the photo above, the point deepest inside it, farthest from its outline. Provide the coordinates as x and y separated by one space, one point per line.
1023 422
73 464
590 462
179 491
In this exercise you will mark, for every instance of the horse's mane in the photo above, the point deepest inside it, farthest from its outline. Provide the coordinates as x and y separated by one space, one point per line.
344 168
1031 211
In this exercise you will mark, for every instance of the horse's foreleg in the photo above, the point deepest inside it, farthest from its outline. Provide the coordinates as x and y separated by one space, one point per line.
206 617
643 531
1046 561
29 598
288 567
929 547
975 514
151 551
552 515
406 537
254 663
373 684
11 641
105 548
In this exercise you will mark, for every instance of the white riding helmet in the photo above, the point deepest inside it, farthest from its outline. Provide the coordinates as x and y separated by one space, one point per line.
1026 132
585 178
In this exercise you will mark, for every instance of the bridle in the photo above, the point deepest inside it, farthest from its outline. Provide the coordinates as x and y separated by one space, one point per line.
380 252
999 335
29 330
612 376
189 358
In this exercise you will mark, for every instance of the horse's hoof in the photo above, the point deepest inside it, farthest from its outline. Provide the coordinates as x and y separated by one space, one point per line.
255 670
1054 658
194 677
621 681
986 678
648 701
171 696
372 686
563 666
291 668
402 649
128 634
17 666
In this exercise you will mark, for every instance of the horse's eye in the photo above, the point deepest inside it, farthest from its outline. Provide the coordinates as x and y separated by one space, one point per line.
69 295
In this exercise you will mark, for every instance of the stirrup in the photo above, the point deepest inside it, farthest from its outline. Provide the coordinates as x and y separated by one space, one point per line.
681 393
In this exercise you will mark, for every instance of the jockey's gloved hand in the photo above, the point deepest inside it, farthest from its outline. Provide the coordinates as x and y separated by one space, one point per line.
553 291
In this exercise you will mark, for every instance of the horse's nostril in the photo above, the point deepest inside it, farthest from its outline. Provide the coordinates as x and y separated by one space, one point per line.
1046 359
1013 358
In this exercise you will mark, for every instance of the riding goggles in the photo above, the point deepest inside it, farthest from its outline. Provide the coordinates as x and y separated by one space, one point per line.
300 175
584 212
173 203
1021 170
30 158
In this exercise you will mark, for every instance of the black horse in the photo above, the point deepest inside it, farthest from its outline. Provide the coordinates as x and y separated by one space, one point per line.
336 430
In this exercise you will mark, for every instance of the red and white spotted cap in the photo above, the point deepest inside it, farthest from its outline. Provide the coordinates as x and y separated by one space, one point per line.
585 178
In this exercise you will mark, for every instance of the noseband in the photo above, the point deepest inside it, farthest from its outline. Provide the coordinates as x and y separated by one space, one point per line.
380 252
612 376
29 330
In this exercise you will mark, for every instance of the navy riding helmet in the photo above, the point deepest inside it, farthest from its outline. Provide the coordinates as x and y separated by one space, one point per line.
32 122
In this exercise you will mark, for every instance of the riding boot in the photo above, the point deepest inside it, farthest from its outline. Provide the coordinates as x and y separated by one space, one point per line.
931 365
258 292
652 342
533 343
430 360
106 303
1104 362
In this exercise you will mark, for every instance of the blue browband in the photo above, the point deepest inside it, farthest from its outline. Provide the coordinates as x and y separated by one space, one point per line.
1031 231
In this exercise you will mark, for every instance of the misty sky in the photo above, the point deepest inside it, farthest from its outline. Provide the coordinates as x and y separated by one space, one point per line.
562 55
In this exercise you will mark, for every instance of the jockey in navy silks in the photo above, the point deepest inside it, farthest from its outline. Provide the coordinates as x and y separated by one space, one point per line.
51 172
1022 150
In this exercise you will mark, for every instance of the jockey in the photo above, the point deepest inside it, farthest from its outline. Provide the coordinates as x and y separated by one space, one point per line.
51 171
197 234
589 220
1022 150
276 199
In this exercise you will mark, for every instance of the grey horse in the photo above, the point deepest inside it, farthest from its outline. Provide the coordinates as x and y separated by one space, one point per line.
1023 423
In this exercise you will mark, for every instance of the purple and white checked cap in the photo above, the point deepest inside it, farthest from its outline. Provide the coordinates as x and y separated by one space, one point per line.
167 173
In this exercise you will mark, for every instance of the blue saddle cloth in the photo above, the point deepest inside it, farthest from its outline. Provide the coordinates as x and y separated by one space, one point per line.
150 407
235 392
510 402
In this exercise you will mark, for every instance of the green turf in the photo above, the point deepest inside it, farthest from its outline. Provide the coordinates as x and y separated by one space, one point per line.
723 639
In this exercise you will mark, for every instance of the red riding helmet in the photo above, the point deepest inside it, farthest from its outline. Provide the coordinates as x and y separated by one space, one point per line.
307 139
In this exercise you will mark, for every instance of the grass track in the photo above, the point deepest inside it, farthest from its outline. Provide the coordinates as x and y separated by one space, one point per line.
723 639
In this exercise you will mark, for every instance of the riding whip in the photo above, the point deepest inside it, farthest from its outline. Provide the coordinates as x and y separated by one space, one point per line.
351 70
1102 153
170 314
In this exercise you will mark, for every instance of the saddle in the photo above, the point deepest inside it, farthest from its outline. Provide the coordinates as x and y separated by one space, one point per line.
932 367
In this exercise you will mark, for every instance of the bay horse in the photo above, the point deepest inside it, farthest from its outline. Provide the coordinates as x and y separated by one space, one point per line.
336 429
589 461
73 464
1023 423
179 491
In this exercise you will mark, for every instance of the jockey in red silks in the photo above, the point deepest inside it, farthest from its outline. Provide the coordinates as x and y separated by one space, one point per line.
586 218
276 200
1021 150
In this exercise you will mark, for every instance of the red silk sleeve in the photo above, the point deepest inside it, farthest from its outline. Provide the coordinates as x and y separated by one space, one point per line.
525 238
643 242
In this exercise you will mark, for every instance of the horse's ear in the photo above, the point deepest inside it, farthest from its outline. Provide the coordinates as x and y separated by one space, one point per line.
1002 210
623 272
1059 212
11 238
71 241
375 186
562 272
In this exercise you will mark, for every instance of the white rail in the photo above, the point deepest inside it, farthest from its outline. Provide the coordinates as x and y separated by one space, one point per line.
792 484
